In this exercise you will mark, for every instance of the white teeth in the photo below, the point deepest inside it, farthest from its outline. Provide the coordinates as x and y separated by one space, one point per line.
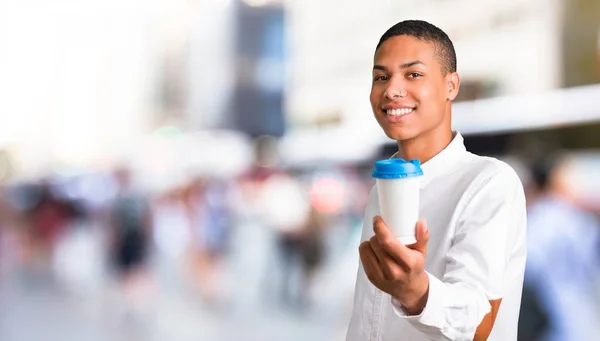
399 112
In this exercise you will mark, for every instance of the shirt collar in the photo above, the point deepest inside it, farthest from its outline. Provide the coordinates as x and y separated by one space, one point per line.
444 160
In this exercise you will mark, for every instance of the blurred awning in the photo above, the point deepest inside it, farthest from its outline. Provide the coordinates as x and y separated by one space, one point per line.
556 108
352 143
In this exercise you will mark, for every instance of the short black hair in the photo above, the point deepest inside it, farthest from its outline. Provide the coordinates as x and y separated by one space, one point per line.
425 31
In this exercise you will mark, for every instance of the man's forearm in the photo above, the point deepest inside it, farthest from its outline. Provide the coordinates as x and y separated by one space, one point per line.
485 327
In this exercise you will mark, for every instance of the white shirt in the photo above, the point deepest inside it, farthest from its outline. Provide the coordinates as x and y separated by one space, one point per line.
476 216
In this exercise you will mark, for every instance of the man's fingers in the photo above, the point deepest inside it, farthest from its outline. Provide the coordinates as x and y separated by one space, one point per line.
370 262
389 266
384 235
382 232
390 243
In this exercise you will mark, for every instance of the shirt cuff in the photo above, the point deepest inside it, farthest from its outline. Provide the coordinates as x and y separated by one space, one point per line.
449 312
432 314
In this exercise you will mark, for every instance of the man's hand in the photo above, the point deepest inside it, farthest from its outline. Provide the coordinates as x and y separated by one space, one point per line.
395 268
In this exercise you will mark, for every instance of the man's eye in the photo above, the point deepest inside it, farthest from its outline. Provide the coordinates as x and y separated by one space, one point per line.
414 75
380 78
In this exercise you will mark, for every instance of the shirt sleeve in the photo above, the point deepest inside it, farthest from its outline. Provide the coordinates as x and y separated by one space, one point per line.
486 233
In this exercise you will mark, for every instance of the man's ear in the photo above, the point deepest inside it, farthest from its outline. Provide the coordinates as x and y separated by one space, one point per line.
453 81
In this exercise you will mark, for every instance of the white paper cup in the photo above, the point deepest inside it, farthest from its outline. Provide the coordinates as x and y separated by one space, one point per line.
398 185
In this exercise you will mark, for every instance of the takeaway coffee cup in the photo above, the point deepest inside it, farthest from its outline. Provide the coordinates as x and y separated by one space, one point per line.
398 183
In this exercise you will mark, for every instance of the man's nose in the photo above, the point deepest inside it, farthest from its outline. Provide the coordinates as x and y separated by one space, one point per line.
395 90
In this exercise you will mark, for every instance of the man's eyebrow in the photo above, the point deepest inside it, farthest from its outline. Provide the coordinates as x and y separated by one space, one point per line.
410 64
402 66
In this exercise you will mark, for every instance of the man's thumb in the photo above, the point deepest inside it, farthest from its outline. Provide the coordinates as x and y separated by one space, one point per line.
422 236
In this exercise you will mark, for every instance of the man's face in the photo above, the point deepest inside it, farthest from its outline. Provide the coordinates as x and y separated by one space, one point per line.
410 95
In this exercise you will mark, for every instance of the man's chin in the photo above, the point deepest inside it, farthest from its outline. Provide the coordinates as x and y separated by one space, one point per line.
400 134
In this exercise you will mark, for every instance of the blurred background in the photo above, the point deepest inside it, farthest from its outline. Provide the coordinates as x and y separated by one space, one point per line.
198 169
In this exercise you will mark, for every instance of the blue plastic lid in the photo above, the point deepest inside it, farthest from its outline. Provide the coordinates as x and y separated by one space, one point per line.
397 169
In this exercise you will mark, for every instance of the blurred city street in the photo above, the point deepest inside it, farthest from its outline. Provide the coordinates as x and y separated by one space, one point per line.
177 170
34 306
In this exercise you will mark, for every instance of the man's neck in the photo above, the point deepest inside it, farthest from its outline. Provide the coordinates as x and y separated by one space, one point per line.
426 146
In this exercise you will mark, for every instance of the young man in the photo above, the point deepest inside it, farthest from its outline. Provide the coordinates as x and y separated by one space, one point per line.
463 277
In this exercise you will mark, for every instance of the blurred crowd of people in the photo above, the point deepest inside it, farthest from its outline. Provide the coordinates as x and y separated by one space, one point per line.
84 231
90 231
562 278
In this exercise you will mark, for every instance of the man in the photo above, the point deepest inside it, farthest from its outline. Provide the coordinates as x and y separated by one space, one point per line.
462 279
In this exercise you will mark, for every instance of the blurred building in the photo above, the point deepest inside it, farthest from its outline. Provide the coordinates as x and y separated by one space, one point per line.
77 79
209 64
257 105
503 47
518 40
581 42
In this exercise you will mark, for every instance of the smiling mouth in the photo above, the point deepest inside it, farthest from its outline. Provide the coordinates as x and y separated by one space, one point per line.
399 112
